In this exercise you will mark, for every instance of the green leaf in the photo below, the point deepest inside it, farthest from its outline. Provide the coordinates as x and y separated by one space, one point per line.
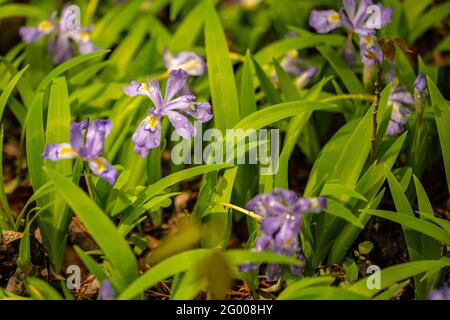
8 90
272 114
239 256
23 86
54 221
91 264
266 84
35 142
247 94
86 74
389 293
22 10
397 273
337 190
413 223
41 290
163 270
338 210
288 89
422 24
413 9
108 30
188 30
369 185
291 292
69 64
353 156
124 53
220 72
305 40
102 230
5 213
177 177
441 109
325 293
344 72
431 249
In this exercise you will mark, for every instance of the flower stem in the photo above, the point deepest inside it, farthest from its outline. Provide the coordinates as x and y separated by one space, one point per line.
89 183
242 210
375 113
354 96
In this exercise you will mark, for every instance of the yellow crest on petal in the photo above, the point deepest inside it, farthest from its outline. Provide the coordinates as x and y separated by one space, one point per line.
100 163
191 65
314 203
369 41
293 54
151 123
45 26
66 151
143 88
333 18
84 36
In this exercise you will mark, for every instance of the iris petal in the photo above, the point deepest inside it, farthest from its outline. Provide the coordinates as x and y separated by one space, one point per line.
59 151
323 21
176 81
182 124
95 137
103 169
147 136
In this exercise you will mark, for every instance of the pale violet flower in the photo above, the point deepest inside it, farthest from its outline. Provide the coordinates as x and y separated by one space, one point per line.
281 212
189 61
61 34
399 98
87 142
148 133
295 67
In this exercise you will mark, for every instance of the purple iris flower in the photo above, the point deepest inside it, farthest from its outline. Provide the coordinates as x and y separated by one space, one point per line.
282 212
107 291
349 53
86 141
398 99
324 21
189 61
148 133
420 85
352 15
370 50
441 293
294 66
59 45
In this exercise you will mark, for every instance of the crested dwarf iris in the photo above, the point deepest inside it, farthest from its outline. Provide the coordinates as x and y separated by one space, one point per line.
282 212
399 98
295 67
420 85
61 33
148 133
87 142
353 15
441 293
107 291
189 61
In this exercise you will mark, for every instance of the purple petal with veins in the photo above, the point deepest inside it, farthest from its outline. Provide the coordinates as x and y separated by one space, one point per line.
324 21
175 83
182 124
